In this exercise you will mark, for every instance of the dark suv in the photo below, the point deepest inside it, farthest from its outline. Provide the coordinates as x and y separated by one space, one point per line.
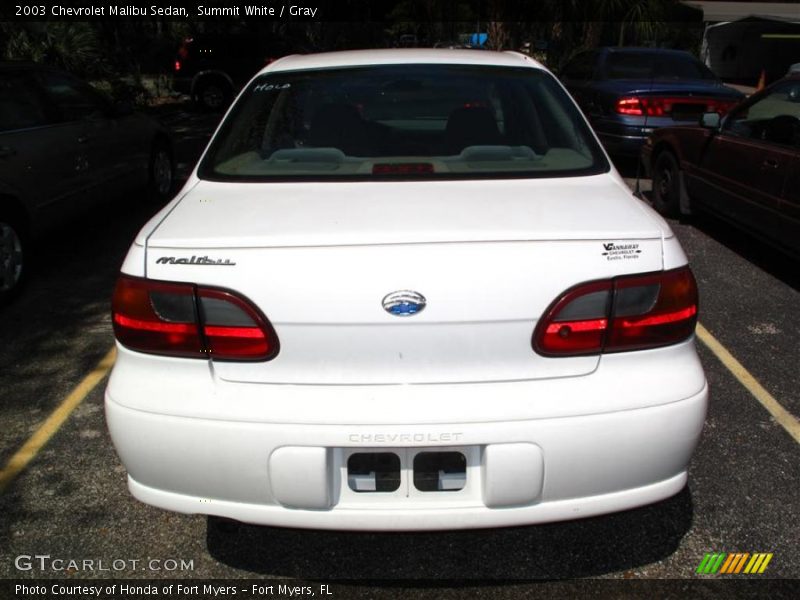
626 93
211 69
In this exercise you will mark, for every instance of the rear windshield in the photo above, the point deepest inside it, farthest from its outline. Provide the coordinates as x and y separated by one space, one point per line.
652 65
428 121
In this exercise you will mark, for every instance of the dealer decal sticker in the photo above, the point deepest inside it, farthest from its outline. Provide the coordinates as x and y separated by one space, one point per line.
624 251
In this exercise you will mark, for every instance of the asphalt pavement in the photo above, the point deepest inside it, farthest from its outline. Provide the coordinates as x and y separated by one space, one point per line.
71 501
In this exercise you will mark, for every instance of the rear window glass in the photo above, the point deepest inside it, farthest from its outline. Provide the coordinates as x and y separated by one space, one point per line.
652 65
421 121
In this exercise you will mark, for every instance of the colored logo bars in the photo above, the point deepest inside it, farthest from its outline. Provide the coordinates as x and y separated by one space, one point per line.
734 563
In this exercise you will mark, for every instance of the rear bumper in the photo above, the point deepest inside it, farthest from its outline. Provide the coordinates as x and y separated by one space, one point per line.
622 145
518 471
623 136
415 519
626 136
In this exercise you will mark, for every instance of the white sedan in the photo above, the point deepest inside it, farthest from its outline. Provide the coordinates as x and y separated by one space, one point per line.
405 290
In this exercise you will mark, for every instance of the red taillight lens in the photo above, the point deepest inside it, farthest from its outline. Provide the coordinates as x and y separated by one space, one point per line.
669 318
578 321
721 106
181 319
156 317
629 106
177 66
232 328
660 106
650 106
626 313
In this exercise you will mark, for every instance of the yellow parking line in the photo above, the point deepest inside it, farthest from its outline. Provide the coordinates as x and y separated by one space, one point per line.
780 414
36 442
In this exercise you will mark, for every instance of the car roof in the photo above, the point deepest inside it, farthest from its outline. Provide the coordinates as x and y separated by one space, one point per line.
358 58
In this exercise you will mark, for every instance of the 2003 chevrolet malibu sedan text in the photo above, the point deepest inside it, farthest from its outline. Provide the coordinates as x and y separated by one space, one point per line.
405 290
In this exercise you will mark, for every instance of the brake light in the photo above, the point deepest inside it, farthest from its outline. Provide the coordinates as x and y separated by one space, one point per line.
177 66
186 320
629 106
402 168
659 106
626 313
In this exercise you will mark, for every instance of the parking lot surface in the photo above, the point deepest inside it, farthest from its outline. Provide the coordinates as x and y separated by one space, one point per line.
71 502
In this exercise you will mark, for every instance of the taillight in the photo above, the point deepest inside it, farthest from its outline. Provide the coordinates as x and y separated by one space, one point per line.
577 322
659 106
233 328
626 313
721 106
186 320
629 106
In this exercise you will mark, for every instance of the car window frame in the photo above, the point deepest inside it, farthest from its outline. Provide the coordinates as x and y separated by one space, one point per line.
726 127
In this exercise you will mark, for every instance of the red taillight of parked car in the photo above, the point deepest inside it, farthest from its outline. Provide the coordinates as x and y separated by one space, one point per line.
721 106
661 106
626 313
629 106
177 66
186 320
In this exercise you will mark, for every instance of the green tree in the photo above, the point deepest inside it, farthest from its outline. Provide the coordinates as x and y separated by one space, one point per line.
71 46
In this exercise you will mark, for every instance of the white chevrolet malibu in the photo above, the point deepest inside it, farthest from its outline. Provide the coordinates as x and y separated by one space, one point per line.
405 290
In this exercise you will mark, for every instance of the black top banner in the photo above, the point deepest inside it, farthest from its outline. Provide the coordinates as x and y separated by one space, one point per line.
476 11
270 10
177 10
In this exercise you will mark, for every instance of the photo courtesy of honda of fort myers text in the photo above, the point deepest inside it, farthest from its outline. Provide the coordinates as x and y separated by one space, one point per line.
165 589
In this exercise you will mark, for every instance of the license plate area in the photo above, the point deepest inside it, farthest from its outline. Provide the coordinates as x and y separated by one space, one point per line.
449 475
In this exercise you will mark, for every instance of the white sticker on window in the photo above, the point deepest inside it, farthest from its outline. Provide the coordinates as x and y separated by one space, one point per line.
268 87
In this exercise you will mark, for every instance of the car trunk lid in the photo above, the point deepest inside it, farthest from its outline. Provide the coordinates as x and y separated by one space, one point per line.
489 257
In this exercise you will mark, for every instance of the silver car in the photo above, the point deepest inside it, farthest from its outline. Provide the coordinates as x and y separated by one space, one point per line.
63 148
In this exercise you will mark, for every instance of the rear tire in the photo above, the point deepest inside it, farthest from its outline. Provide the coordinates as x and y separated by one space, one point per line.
214 95
667 185
13 257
